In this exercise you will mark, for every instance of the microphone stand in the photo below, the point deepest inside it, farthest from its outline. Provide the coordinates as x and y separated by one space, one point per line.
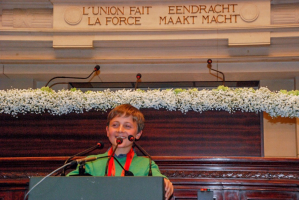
82 166
210 67
45 178
138 76
118 141
127 173
132 139
79 161
98 145
146 154
58 83
96 68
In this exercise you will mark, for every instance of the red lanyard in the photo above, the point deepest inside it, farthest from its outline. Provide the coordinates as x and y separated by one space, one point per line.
111 165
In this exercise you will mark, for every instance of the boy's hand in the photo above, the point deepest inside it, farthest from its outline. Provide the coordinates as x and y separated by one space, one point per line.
168 188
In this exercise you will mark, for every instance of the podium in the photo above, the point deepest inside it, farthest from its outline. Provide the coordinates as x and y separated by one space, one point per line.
97 188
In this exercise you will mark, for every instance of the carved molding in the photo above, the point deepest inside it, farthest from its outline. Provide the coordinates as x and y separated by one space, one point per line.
188 174
285 14
231 174
21 175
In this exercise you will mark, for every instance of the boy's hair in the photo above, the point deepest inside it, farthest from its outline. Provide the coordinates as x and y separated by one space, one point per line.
127 110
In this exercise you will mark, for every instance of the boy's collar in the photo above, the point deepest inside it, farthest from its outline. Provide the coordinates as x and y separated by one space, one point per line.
121 155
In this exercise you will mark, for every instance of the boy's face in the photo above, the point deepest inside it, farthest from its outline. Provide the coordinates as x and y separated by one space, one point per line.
121 126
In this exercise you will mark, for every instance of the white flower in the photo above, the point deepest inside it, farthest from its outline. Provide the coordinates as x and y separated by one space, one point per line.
285 104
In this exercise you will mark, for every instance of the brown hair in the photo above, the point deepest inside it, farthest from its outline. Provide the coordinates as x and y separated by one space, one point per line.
127 110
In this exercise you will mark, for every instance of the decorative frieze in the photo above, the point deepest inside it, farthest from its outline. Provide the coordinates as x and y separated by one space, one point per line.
27 18
231 174
285 13
188 174
162 15
20 175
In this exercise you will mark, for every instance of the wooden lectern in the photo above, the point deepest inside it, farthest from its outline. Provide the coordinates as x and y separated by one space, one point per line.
97 188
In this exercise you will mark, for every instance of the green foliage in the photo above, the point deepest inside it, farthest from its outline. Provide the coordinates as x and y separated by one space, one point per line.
140 90
75 89
252 90
47 89
283 91
178 90
222 87
294 92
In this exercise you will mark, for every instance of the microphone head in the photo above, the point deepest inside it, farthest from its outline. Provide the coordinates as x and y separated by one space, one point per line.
138 76
97 68
100 145
131 138
119 140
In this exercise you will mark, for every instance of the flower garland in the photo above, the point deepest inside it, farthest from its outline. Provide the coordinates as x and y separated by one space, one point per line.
282 103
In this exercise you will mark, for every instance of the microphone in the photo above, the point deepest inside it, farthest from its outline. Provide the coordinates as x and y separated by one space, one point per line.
99 145
118 142
96 68
132 139
138 77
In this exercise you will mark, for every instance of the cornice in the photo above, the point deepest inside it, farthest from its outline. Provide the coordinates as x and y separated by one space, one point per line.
11 4
256 168
270 28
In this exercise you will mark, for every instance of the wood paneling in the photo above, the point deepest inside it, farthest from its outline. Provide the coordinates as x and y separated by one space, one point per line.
230 178
215 150
166 133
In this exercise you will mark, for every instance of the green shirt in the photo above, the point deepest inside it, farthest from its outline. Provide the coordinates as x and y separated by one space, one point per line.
139 166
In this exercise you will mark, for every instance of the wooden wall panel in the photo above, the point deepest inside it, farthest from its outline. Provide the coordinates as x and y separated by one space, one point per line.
215 133
230 178
166 133
35 145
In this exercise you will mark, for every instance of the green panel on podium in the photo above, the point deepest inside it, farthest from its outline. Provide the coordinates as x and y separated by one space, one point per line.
97 188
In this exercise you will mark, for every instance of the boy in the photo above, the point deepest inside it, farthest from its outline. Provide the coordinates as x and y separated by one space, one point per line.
123 121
